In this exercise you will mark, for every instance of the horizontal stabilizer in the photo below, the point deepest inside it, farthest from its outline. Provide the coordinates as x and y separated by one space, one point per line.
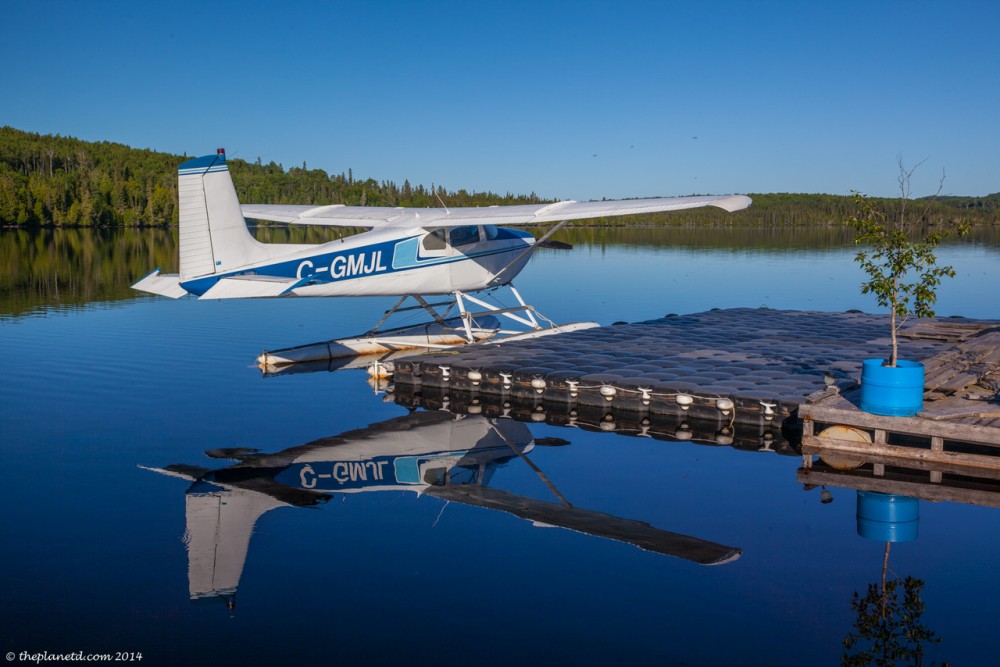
167 284
250 287
181 471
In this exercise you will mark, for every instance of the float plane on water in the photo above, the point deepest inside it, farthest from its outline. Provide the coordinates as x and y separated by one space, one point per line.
405 252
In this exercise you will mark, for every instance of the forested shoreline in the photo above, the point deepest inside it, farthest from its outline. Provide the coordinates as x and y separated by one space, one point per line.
54 181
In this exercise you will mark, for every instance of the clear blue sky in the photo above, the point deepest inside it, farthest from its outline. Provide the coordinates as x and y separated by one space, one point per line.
575 100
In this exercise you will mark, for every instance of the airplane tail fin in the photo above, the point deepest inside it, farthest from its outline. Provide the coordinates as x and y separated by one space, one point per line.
213 233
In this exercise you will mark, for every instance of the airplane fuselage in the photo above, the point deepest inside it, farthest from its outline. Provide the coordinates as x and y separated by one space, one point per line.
394 261
407 252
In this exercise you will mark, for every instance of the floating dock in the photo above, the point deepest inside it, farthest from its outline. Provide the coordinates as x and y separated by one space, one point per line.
756 379
741 365
949 451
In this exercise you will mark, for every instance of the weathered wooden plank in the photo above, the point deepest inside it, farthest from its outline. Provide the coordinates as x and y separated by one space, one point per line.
822 394
956 382
826 413
988 411
935 367
951 371
948 331
911 457
933 378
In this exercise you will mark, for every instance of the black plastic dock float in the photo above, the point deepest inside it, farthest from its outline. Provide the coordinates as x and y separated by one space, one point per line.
744 365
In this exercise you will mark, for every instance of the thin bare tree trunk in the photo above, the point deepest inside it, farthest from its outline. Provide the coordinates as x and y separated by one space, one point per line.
885 566
892 323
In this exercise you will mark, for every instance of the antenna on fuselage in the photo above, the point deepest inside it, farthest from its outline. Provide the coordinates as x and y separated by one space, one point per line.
440 201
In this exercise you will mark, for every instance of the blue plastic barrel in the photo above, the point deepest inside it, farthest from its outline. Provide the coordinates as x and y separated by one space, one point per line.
888 517
897 392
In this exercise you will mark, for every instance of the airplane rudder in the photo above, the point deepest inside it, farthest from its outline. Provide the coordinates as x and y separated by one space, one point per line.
196 253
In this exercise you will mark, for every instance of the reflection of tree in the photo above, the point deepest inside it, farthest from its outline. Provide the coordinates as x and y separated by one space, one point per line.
889 625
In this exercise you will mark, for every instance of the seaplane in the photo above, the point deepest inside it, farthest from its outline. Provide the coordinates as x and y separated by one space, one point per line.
465 254
425 453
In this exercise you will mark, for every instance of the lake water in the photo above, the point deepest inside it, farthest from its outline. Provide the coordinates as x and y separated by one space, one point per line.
218 563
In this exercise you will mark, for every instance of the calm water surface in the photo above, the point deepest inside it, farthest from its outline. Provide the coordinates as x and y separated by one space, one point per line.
217 563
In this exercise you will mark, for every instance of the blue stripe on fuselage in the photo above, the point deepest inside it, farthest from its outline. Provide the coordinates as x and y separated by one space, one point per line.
367 260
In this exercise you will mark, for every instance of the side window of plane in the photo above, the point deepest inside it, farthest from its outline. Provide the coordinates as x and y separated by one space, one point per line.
435 240
490 231
464 235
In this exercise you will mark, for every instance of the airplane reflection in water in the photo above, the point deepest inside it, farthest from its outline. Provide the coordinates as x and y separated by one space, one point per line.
430 453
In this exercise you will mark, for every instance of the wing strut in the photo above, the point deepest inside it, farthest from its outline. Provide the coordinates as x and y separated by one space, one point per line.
429 307
536 469
527 251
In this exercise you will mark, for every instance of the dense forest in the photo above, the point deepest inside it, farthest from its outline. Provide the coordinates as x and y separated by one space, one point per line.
59 181
49 180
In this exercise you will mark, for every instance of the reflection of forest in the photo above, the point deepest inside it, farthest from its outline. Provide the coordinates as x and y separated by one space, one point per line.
72 267
68 267
735 238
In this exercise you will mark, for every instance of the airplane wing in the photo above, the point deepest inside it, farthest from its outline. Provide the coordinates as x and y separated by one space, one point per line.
518 215
589 522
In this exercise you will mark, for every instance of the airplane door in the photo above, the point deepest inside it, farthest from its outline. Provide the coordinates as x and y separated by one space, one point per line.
465 241
456 243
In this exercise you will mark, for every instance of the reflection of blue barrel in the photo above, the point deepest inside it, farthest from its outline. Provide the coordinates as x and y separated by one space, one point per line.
887 517
897 392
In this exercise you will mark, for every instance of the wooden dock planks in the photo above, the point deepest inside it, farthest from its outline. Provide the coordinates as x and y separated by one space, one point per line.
839 410
962 439
946 330
960 421
951 371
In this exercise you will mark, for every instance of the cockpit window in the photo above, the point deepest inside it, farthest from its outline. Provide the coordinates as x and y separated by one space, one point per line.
460 236
435 240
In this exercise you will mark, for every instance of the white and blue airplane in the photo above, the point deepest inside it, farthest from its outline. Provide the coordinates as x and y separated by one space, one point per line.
405 252
435 454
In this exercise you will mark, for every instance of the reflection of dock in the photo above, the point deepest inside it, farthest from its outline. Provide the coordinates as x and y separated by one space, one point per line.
764 436
905 482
